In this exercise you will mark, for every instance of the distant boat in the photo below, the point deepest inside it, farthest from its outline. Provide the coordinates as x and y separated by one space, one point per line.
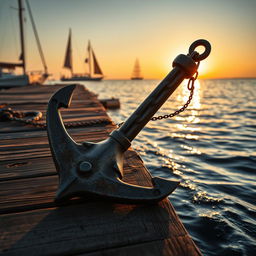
8 78
136 75
95 72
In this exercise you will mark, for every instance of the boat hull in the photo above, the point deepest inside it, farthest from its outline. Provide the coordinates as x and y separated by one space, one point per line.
22 80
137 78
14 81
81 78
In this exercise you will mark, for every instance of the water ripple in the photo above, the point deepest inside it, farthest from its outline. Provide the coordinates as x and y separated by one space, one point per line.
210 148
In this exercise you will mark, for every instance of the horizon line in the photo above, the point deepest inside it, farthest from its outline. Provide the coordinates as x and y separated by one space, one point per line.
217 78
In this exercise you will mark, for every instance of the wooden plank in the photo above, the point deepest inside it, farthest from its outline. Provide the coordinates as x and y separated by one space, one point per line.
163 247
40 133
85 106
30 223
23 148
7 127
41 94
29 91
26 168
29 191
33 165
55 232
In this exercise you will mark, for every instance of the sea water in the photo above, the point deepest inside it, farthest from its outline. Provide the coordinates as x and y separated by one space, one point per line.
210 148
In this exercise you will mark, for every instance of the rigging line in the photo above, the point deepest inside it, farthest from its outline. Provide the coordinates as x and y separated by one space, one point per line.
15 32
4 27
37 38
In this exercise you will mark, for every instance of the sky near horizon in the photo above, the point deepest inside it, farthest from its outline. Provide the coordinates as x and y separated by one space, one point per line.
120 31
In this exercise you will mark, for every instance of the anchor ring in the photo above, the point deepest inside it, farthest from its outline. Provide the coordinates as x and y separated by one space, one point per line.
205 54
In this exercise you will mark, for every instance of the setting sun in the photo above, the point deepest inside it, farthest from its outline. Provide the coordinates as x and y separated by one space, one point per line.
203 69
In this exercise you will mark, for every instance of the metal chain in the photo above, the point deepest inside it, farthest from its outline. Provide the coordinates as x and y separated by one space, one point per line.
31 118
191 88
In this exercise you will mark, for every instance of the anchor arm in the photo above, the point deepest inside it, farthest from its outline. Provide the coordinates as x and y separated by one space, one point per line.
64 149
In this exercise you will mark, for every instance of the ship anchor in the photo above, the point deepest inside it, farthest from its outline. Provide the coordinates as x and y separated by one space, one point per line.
96 169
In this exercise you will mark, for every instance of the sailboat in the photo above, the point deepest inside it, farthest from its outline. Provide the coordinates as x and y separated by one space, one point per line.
136 75
95 72
8 78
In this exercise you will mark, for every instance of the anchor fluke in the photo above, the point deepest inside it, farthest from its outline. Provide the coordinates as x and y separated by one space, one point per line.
63 97
116 190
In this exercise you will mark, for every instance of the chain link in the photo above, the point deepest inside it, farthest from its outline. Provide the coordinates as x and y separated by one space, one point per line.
191 88
32 118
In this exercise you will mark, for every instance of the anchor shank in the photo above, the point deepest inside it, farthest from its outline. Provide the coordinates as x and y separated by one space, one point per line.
184 67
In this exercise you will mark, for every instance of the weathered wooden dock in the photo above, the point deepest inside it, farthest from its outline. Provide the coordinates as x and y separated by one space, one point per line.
30 222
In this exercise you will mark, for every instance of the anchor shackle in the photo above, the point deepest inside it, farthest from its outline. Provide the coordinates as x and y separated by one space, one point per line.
184 66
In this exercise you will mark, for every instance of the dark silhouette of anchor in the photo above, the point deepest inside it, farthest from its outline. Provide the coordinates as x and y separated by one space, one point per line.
96 169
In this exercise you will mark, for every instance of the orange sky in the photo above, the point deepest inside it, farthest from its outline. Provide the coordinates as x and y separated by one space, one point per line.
123 30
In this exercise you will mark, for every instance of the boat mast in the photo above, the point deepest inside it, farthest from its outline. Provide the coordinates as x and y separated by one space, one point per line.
22 43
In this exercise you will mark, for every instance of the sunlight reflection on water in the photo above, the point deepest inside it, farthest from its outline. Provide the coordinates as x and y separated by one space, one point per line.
210 148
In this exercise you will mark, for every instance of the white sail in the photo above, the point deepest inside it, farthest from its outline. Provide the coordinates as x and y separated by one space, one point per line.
136 75
96 67
95 73
68 55
93 65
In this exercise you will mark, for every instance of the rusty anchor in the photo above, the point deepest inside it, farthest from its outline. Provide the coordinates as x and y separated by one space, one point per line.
96 169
